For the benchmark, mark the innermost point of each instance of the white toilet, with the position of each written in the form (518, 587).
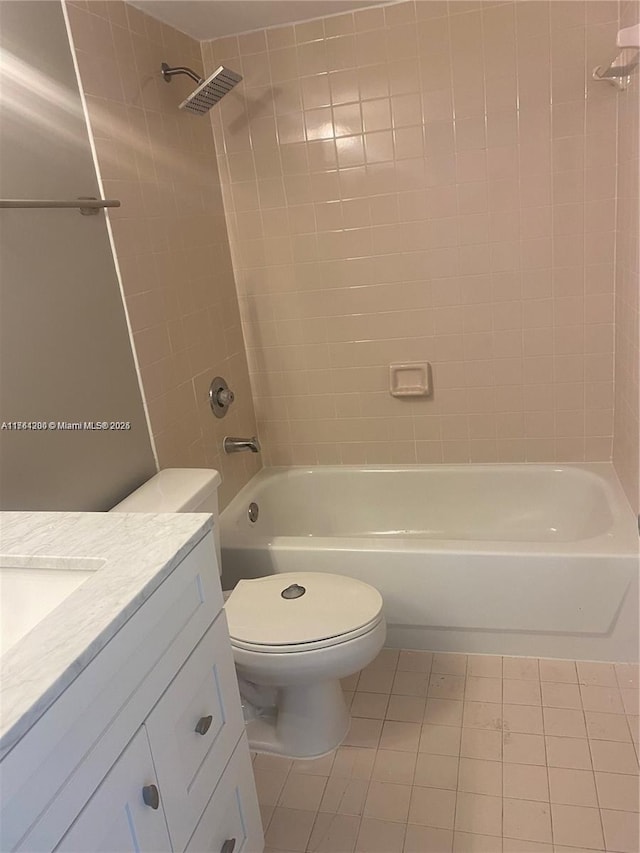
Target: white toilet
(294, 635)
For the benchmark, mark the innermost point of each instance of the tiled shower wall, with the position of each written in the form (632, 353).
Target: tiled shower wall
(627, 355)
(426, 181)
(170, 234)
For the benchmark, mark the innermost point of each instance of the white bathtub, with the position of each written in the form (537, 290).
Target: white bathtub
(535, 560)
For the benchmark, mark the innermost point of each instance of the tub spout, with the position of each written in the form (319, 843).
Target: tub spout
(236, 445)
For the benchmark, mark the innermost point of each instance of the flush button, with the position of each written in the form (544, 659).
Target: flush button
(293, 591)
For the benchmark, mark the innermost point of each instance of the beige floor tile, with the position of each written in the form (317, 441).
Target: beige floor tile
(371, 705)
(350, 683)
(334, 833)
(432, 807)
(465, 842)
(523, 749)
(478, 814)
(269, 784)
(406, 709)
(480, 743)
(519, 845)
(576, 826)
(302, 791)
(628, 675)
(440, 740)
(266, 813)
(315, 766)
(526, 719)
(483, 689)
(380, 836)
(448, 663)
(613, 756)
(621, 831)
(290, 829)
(353, 763)
(387, 801)
(410, 683)
(520, 668)
(605, 699)
(572, 787)
(364, 733)
(426, 839)
(602, 674)
(415, 661)
(557, 695)
(607, 726)
(394, 766)
(525, 782)
(444, 712)
(344, 796)
(482, 715)
(386, 659)
(568, 752)
(436, 771)
(446, 686)
(264, 761)
(376, 680)
(527, 819)
(631, 700)
(558, 670)
(404, 737)
(633, 721)
(484, 666)
(477, 776)
(521, 692)
(616, 791)
(563, 722)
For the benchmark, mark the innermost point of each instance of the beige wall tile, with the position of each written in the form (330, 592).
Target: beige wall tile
(487, 211)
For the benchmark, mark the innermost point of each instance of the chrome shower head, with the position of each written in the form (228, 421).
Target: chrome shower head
(209, 91)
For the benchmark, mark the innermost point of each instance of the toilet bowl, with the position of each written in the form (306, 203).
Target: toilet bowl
(293, 635)
(300, 633)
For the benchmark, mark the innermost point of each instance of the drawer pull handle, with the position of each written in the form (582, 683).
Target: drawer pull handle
(228, 846)
(151, 796)
(204, 723)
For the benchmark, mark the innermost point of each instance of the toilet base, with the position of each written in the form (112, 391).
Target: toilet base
(310, 720)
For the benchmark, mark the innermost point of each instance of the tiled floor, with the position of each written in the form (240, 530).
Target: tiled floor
(470, 754)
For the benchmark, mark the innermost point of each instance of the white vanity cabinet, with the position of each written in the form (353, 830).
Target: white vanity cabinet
(145, 750)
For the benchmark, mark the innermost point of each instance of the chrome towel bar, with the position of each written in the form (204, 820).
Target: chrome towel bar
(86, 206)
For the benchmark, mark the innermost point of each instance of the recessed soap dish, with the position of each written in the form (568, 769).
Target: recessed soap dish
(410, 380)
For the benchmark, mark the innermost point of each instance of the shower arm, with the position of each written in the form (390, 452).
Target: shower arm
(168, 73)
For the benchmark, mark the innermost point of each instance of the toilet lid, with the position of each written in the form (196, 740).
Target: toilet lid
(315, 606)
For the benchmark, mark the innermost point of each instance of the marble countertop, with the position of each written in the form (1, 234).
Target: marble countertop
(132, 554)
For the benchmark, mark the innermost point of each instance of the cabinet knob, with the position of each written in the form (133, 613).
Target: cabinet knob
(202, 728)
(151, 796)
(228, 846)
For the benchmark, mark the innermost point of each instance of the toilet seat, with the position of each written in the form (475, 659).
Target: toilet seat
(317, 610)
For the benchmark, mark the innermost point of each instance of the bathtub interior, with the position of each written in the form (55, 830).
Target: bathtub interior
(462, 503)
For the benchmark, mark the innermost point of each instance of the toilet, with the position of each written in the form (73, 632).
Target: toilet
(294, 635)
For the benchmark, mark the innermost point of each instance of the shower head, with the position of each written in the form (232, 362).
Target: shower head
(209, 91)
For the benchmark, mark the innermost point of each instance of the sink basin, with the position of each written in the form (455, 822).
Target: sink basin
(28, 593)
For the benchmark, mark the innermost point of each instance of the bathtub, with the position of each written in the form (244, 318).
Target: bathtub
(537, 560)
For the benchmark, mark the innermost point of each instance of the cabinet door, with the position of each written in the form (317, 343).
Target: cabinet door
(232, 815)
(194, 729)
(116, 817)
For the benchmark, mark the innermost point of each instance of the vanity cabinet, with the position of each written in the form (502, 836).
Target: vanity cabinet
(146, 749)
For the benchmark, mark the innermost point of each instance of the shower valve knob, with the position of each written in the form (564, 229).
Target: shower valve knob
(220, 397)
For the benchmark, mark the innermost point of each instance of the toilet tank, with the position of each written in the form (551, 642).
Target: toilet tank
(178, 490)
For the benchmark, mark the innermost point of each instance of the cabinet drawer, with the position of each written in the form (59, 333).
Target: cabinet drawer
(116, 817)
(50, 774)
(232, 813)
(203, 695)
